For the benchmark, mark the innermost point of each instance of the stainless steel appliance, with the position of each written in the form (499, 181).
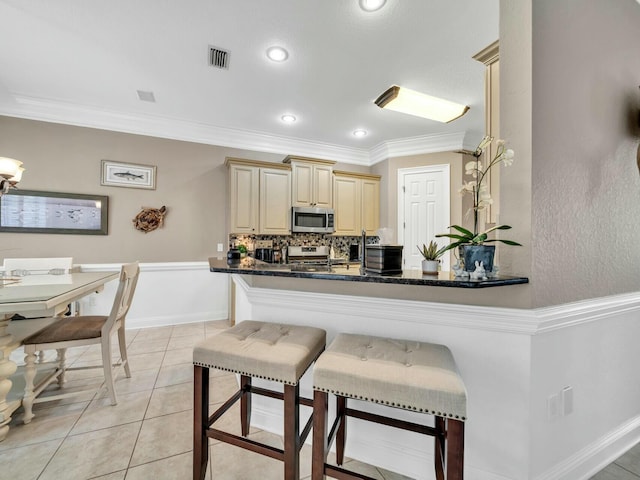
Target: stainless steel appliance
(312, 220)
(264, 254)
(308, 254)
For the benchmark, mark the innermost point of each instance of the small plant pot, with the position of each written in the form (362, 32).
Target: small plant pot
(430, 267)
(478, 253)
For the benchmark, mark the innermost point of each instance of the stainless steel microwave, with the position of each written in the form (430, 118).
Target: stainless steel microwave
(312, 220)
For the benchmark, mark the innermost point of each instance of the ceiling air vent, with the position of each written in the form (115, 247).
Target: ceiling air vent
(218, 58)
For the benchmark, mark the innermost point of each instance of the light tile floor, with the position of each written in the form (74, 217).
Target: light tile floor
(149, 433)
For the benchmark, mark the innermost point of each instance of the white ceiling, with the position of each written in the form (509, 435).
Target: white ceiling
(81, 62)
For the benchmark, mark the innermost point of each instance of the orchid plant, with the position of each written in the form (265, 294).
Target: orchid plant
(478, 188)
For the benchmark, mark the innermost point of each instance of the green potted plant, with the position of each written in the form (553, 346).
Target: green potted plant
(431, 256)
(473, 243)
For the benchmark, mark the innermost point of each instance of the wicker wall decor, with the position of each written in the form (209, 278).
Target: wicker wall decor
(149, 219)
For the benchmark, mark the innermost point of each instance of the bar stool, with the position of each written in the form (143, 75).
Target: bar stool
(276, 352)
(404, 374)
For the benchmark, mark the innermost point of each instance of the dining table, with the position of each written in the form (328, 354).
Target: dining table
(47, 294)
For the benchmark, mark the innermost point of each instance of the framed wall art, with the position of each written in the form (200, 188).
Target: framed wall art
(30, 211)
(116, 174)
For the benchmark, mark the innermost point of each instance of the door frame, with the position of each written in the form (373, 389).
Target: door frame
(402, 172)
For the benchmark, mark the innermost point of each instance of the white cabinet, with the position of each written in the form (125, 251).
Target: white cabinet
(275, 201)
(311, 182)
(490, 56)
(259, 197)
(356, 203)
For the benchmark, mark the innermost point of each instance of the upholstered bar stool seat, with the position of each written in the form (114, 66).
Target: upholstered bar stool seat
(276, 352)
(409, 375)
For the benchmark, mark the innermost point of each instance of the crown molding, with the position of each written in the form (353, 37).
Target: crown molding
(67, 113)
(402, 147)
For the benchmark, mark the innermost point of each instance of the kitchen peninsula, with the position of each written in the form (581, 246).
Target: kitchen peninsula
(491, 346)
(352, 273)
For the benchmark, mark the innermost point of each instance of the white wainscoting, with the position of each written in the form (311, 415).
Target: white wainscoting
(167, 294)
(511, 360)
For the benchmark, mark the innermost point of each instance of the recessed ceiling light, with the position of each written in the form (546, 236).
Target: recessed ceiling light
(288, 118)
(277, 54)
(359, 133)
(372, 5)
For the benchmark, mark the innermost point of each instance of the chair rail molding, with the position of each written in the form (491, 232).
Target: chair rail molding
(168, 293)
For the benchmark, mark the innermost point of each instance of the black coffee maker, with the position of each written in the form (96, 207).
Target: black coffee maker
(264, 254)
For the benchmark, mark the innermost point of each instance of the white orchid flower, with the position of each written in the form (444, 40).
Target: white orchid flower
(507, 157)
(483, 144)
(467, 187)
(471, 168)
(500, 143)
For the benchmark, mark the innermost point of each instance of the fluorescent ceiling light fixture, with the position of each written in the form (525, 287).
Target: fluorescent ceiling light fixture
(359, 133)
(288, 118)
(415, 103)
(277, 54)
(372, 5)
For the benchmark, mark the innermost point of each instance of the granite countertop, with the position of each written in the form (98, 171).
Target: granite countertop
(351, 273)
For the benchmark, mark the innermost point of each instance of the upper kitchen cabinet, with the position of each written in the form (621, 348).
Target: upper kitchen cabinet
(311, 182)
(356, 202)
(259, 197)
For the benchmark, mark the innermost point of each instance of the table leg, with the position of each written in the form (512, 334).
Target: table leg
(7, 368)
(29, 377)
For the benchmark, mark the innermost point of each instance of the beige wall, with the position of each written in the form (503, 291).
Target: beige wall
(570, 74)
(191, 182)
(389, 183)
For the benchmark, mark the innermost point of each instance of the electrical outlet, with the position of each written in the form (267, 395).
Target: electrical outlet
(567, 400)
(220, 247)
(553, 406)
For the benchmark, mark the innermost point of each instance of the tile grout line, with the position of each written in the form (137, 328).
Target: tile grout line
(135, 444)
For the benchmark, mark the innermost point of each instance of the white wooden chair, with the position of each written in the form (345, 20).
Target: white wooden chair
(78, 331)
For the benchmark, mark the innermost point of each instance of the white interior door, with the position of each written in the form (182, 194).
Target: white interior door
(423, 211)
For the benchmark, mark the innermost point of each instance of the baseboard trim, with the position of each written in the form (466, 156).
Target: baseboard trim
(593, 458)
(165, 321)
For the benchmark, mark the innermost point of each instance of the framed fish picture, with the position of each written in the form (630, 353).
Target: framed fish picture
(117, 174)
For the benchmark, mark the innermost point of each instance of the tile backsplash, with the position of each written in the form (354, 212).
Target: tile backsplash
(340, 244)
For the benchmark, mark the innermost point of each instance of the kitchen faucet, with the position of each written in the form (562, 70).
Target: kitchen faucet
(363, 250)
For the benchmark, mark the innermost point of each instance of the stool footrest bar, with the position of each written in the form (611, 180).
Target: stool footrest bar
(246, 443)
(215, 416)
(342, 474)
(392, 422)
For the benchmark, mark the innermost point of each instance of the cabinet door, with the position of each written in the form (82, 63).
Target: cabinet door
(275, 201)
(347, 199)
(302, 178)
(243, 199)
(370, 206)
(323, 186)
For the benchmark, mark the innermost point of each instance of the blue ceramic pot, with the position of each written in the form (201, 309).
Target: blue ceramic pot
(478, 253)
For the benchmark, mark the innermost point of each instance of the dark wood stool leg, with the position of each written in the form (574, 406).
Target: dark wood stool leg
(291, 432)
(455, 449)
(200, 421)
(439, 450)
(320, 445)
(245, 405)
(341, 434)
